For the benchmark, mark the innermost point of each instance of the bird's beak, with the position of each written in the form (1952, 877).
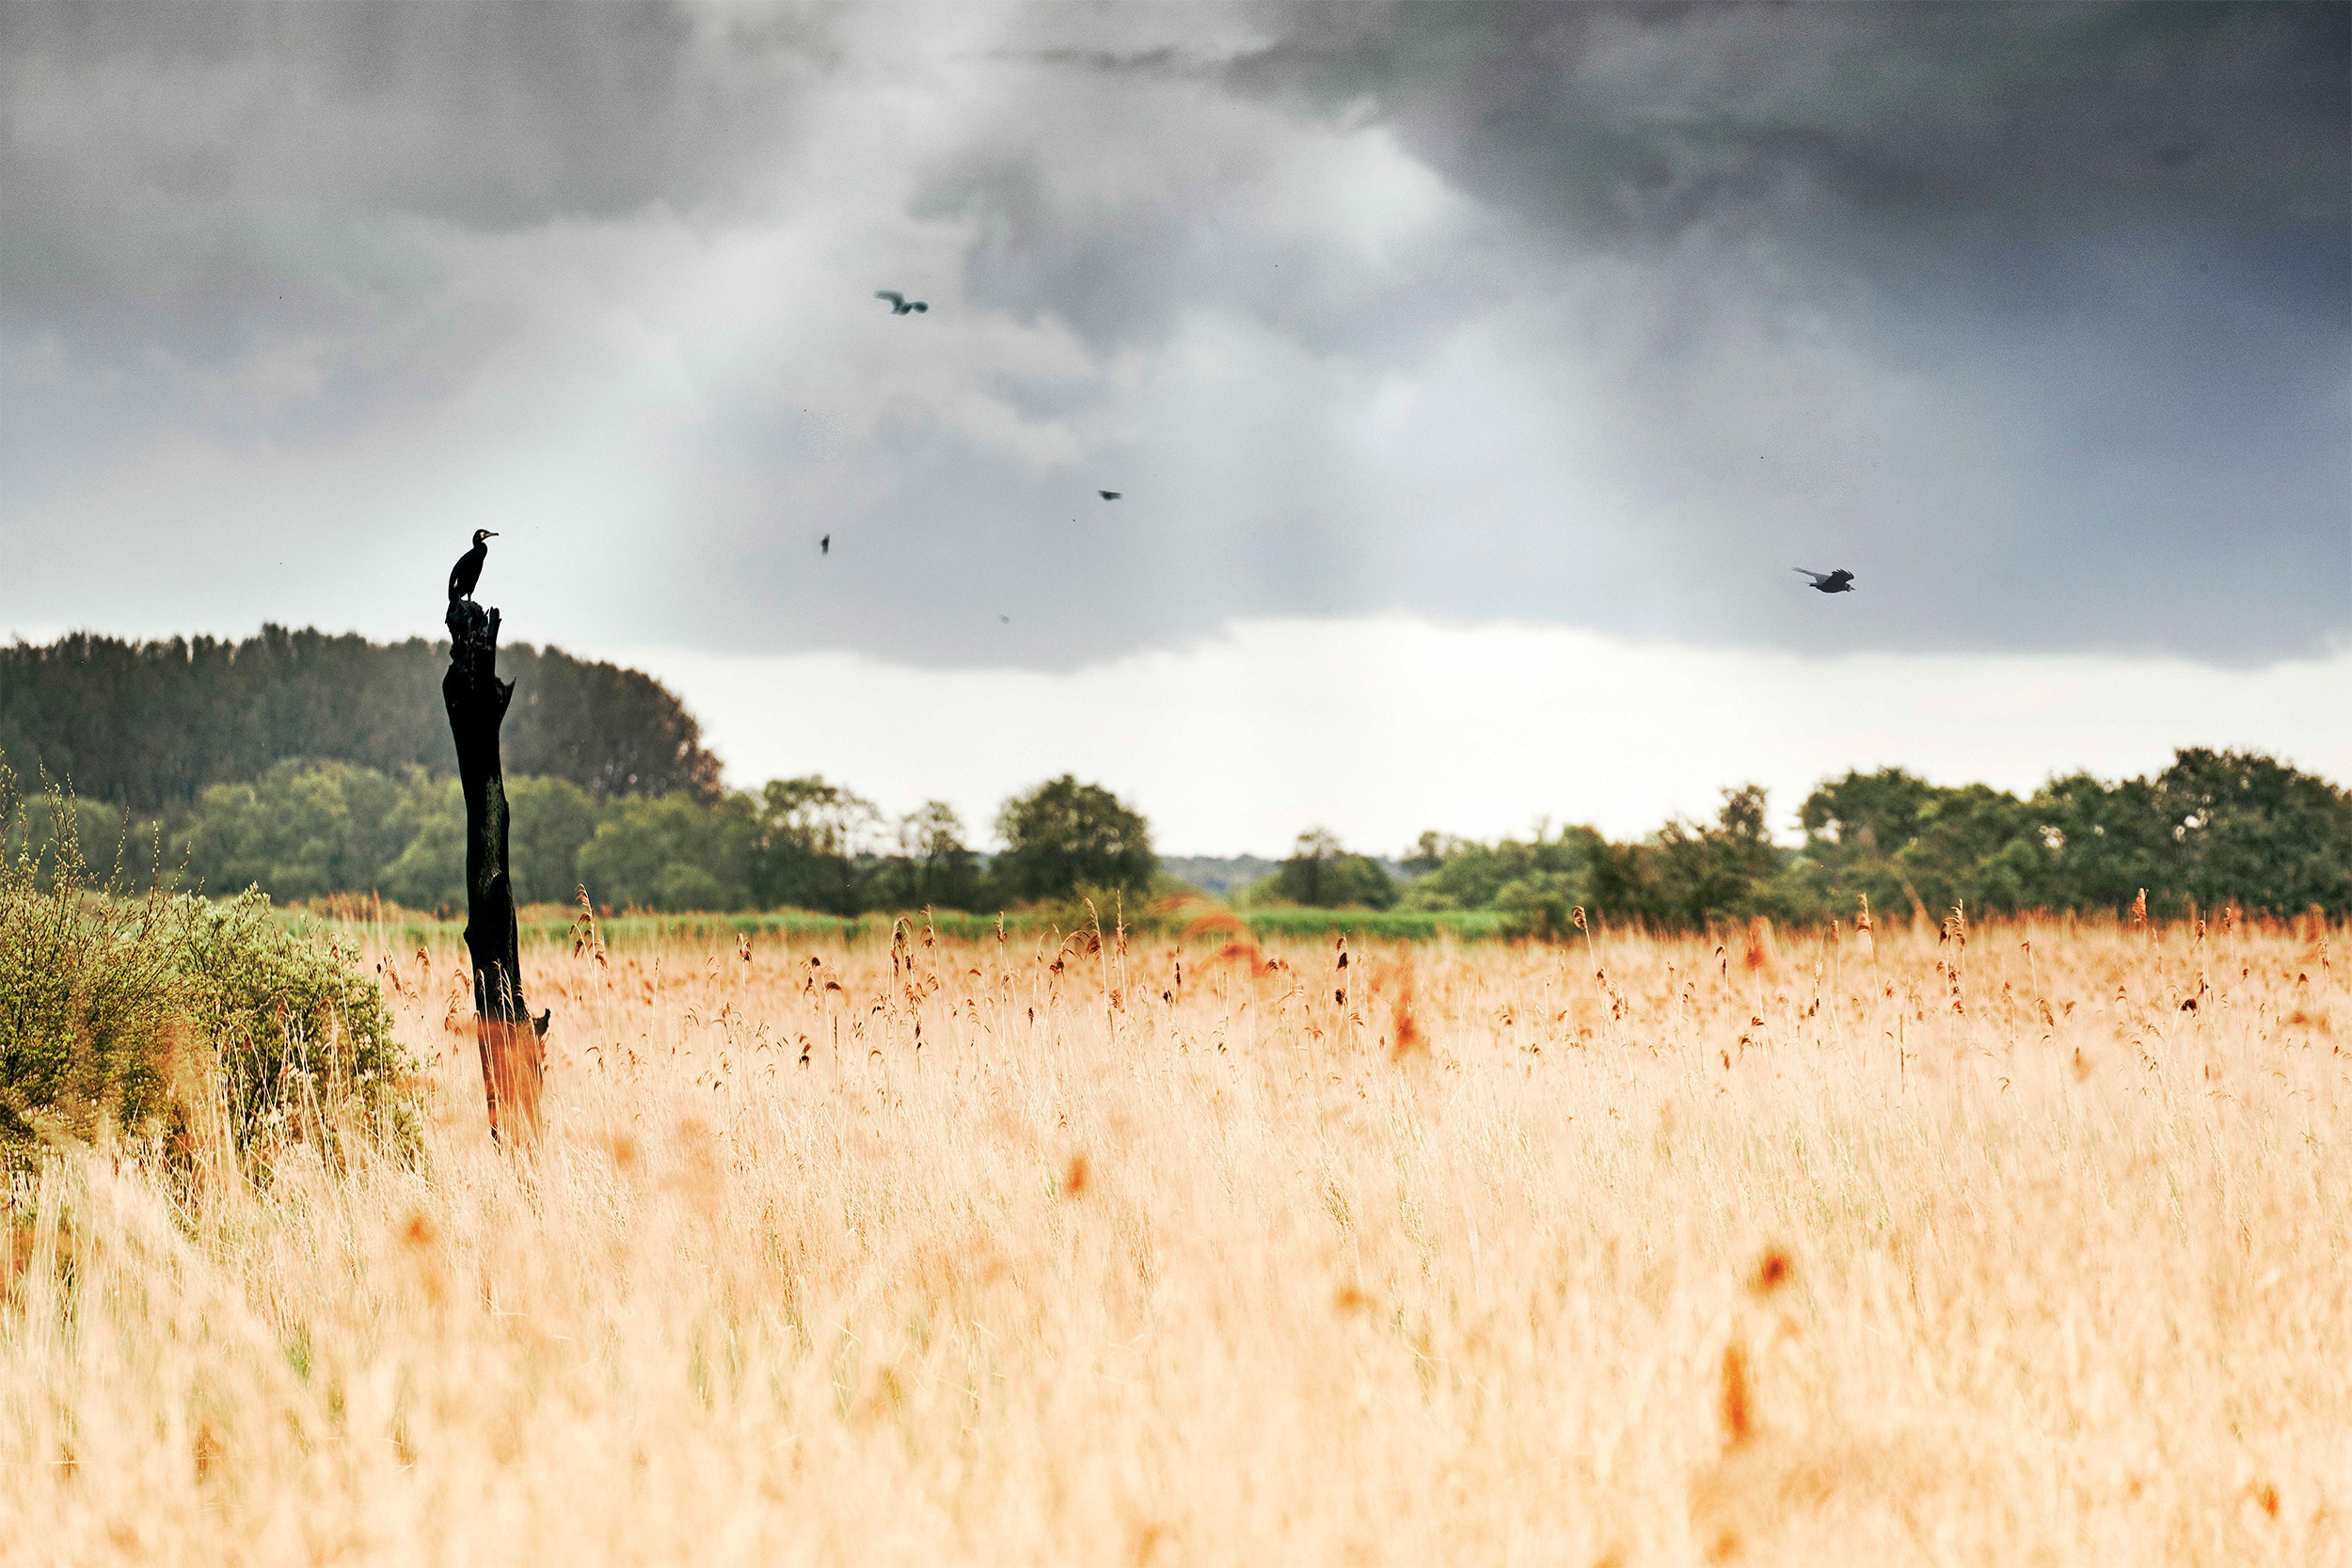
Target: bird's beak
(491, 532)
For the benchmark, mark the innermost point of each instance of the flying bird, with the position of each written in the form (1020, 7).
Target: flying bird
(468, 571)
(824, 545)
(899, 304)
(1839, 582)
(1110, 495)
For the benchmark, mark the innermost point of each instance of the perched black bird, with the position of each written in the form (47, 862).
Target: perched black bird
(899, 304)
(1839, 582)
(1110, 495)
(468, 571)
(824, 545)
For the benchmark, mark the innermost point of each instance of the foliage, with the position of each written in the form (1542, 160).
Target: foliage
(1541, 905)
(672, 853)
(87, 992)
(1064, 835)
(1321, 874)
(304, 829)
(2211, 827)
(1461, 873)
(933, 867)
(293, 1024)
(113, 1008)
(816, 841)
(1687, 875)
(184, 715)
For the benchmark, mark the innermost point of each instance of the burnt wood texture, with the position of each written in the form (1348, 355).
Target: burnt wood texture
(511, 1042)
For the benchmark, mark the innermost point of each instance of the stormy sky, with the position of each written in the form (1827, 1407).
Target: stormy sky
(1569, 321)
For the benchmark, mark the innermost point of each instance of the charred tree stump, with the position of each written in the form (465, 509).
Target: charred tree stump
(514, 1054)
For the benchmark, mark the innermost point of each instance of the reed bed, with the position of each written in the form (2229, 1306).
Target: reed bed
(2018, 1244)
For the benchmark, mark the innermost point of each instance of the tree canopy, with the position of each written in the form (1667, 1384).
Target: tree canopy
(2213, 828)
(1321, 874)
(145, 725)
(1064, 836)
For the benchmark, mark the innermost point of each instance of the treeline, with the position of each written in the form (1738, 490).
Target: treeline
(152, 725)
(2210, 829)
(308, 830)
(2213, 827)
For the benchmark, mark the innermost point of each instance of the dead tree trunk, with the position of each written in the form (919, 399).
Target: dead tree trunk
(513, 1060)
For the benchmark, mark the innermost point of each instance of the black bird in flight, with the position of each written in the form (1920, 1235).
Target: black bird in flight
(468, 571)
(899, 304)
(1110, 495)
(824, 545)
(1839, 582)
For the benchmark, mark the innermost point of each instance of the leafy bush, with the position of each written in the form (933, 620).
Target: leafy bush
(88, 1024)
(295, 1026)
(1541, 905)
(142, 1011)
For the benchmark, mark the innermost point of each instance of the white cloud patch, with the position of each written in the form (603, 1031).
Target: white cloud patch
(1380, 728)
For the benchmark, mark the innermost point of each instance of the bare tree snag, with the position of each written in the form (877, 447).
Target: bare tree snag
(513, 1053)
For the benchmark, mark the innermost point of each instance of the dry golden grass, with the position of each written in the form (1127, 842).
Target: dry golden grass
(1791, 1252)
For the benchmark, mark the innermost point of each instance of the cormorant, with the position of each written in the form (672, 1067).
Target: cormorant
(824, 545)
(1839, 582)
(1110, 495)
(468, 571)
(899, 304)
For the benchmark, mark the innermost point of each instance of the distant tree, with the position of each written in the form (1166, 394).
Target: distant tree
(1432, 850)
(2247, 827)
(429, 873)
(1472, 875)
(1540, 905)
(1686, 875)
(674, 853)
(1322, 874)
(1865, 814)
(2105, 841)
(554, 819)
(1064, 835)
(304, 830)
(933, 867)
(611, 731)
(1902, 841)
(815, 846)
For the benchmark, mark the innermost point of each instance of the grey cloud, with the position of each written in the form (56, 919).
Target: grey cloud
(210, 173)
(1632, 123)
(2038, 317)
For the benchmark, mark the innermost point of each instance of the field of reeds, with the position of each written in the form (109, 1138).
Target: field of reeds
(2020, 1245)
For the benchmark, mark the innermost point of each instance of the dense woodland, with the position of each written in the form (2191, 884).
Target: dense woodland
(312, 766)
(150, 725)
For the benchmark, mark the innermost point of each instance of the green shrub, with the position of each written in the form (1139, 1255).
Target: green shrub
(139, 1011)
(88, 1021)
(294, 1027)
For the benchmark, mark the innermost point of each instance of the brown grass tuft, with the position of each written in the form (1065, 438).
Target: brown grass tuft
(1772, 1271)
(1739, 1416)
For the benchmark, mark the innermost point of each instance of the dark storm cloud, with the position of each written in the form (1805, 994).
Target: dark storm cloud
(2113, 241)
(1634, 122)
(186, 177)
(2106, 249)
(2038, 317)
